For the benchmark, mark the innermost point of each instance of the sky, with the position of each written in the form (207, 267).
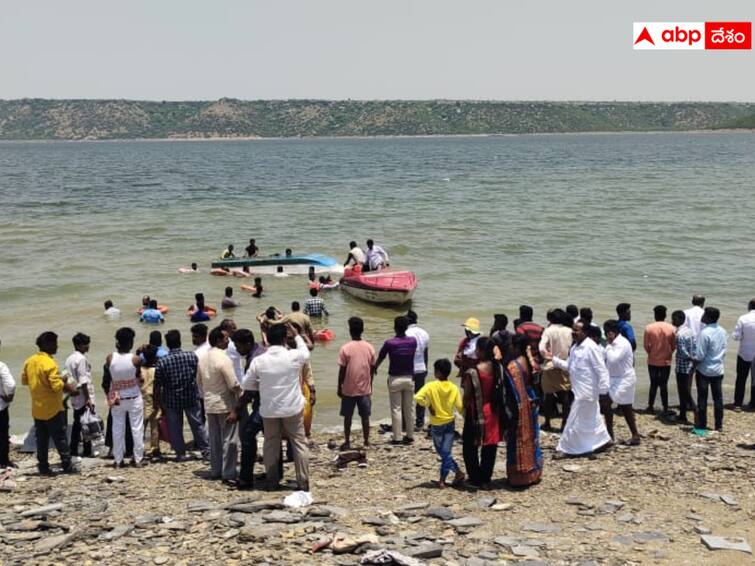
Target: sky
(363, 49)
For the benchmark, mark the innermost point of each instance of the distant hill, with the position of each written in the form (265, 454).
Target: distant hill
(39, 119)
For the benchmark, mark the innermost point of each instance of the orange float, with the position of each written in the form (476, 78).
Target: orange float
(162, 308)
(325, 335)
(211, 312)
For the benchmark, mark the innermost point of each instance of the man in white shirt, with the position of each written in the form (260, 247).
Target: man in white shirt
(744, 332)
(420, 363)
(79, 367)
(585, 431)
(377, 258)
(228, 326)
(275, 374)
(201, 348)
(356, 255)
(111, 313)
(694, 315)
(7, 391)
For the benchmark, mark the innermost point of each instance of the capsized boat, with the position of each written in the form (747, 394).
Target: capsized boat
(386, 286)
(291, 263)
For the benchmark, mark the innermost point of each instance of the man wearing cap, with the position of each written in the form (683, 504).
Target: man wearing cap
(466, 353)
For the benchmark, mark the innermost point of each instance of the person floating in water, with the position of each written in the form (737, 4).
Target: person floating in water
(228, 253)
(257, 287)
(289, 253)
(377, 258)
(192, 269)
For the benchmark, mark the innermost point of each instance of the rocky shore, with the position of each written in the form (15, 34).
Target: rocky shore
(665, 501)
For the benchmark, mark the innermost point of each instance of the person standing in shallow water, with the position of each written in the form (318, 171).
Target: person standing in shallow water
(621, 380)
(482, 426)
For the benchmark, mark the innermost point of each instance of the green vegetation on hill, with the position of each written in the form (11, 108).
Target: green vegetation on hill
(30, 119)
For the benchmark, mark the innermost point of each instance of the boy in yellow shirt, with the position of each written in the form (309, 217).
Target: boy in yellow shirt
(442, 397)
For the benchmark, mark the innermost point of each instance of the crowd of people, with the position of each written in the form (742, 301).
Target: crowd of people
(232, 387)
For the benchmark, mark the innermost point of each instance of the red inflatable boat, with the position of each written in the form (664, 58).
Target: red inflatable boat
(386, 286)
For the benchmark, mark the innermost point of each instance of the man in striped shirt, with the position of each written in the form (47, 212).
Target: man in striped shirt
(685, 346)
(315, 306)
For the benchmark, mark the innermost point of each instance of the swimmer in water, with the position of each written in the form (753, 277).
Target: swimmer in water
(279, 272)
(228, 302)
(257, 287)
(228, 253)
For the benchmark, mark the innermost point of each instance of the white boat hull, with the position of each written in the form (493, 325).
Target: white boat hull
(378, 296)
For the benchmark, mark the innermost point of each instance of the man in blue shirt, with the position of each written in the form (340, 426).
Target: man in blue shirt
(151, 315)
(624, 312)
(710, 355)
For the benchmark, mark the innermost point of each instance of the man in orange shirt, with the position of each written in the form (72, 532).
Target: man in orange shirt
(46, 387)
(660, 343)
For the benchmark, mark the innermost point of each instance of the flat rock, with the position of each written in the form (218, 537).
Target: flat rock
(24, 536)
(649, 536)
(701, 530)
(41, 511)
(51, 543)
(442, 513)
(160, 560)
(117, 532)
(525, 551)
(255, 507)
(425, 551)
(502, 506)
(486, 502)
(201, 506)
(725, 543)
(258, 533)
(412, 507)
(729, 500)
(625, 518)
(571, 468)
(621, 539)
(541, 528)
(464, 522)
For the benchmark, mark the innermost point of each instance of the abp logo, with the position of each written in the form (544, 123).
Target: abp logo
(692, 35)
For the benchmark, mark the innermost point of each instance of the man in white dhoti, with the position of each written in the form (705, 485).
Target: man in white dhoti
(585, 431)
(621, 379)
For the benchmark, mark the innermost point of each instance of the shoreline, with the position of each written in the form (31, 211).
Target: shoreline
(630, 505)
(396, 136)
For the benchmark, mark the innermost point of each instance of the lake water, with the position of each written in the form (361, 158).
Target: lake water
(486, 223)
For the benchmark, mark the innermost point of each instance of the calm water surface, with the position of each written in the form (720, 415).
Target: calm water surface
(486, 223)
